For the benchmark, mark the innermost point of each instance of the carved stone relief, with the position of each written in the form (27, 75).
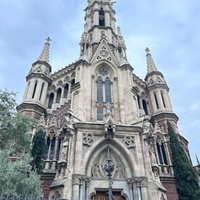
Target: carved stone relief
(129, 141)
(98, 166)
(88, 139)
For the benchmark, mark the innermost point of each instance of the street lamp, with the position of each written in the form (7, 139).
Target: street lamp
(109, 167)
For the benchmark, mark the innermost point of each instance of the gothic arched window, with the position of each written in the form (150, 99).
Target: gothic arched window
(101, 17)
(58, 96)
(161, 152)
(66, 90)
(156, 100)
(144, 104)
(41, 91)
(51, 98)
(108, 90)
(34, 90)
(163, 100)
(103, 91)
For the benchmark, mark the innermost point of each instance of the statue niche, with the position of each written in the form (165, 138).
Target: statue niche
(64, 150)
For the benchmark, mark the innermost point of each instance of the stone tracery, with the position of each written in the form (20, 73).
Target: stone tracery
(101, 160)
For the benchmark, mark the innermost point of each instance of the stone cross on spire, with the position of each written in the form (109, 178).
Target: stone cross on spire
(150, 63)
(44, 56)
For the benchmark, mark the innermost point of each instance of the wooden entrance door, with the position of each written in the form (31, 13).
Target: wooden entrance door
(103, 196)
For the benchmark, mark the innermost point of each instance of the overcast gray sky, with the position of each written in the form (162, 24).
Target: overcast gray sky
(170, 28)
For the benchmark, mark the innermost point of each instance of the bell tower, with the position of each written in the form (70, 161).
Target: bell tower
(100, 23)
(158, 93)
(37, 83)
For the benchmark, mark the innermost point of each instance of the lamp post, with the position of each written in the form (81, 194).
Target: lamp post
(109, 167)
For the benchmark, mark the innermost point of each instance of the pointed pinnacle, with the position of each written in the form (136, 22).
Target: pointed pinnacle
(119, 31)
(44, 56)
(150, 63)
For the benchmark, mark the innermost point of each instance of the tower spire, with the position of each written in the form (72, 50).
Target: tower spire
(150, 63)
(44, 56)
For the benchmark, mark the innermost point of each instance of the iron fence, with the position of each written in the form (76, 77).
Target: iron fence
(19, 197)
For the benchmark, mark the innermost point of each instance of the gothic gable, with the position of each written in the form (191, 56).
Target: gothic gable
(104, 53)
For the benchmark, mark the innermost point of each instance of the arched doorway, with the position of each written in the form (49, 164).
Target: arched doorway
(123, 170)
(102, 195)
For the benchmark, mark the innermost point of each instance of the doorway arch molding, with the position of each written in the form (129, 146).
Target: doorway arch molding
(116, 148)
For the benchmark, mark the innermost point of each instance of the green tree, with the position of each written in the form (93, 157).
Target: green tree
(186, 180)
(14, 126)
(39, 149)
(16, 177)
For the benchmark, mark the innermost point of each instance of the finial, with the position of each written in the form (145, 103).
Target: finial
(147, 50)
(44, 56)
(48, 40)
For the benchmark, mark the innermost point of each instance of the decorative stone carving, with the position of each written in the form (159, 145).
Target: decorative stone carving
(88, 139)
(42, 121)
(157, 127)
(109, 121)
(53, 122)
(69, 122)
(67, 172)
(98, 167)
(60, 83)
(129, 141)
(75, 179)
(103, 53)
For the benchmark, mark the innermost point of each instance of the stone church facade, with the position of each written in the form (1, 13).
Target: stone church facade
(98, 105)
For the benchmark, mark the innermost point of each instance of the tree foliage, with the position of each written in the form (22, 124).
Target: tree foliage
(14, 126)
(39, 149)
(16, 177)
(186, 180)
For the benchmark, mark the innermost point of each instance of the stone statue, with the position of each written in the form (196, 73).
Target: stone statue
(64, 150)
(152, 154)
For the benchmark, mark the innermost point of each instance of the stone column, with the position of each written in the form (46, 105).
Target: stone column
(130, 184)
(95, 18)
(139, 192)
(44, 93)
(75, 187)
(167, 100)
(30, 89)
(87, 182)
(107, 19)
(26, 90)
(55, 153)
(153, 102)
(135, 192)
(159, 98)
(80, 192)
(144, 191)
